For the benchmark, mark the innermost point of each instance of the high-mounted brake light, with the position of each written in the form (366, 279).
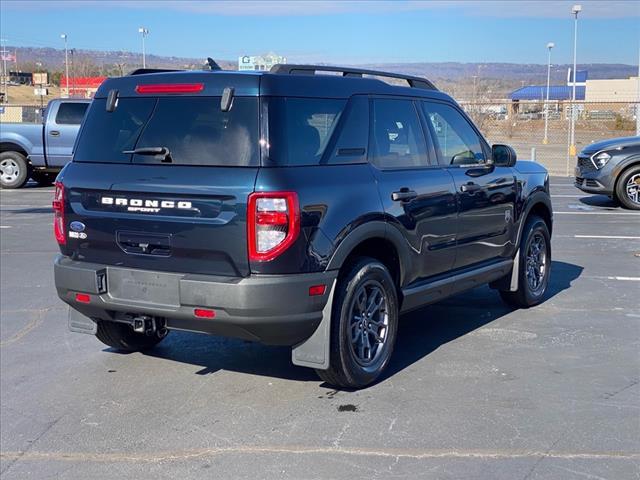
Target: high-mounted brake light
(58, 214)
(273, 224)
(152, 88)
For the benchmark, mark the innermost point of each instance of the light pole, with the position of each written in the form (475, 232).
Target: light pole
(73, 70)
(576, 9)
(545, 140)
(144, 32)
(5, 77)
(66, 61)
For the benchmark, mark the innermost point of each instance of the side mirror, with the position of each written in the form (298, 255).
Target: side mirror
(503, 155)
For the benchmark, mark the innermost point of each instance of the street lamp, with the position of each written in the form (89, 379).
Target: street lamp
(575, 10)
(550, 45)
(144, 32)
(66, 60)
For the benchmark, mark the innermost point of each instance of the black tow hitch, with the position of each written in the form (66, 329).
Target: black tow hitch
(149, 325)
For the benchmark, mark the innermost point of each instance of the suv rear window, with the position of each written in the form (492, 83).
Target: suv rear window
(300, 128)
(194, 130)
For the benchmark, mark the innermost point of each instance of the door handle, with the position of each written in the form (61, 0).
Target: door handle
(403, 195)
(470, 187)
(54, 133)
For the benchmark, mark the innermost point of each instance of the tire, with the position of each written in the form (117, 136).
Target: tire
(44, 179)
(628, 188)
(14, 170)
(122, 337)
(532, 285)
(352, 364)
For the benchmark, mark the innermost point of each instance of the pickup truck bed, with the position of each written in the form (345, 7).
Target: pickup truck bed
(40, 150)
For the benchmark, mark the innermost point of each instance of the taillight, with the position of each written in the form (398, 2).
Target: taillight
(58, 214)
(273, 224)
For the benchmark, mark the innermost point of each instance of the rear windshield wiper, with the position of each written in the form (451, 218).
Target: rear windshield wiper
(162, 152)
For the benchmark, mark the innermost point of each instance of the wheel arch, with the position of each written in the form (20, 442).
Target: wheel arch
(621, 168)
(14, 147)
(376, 240)
(538, 204)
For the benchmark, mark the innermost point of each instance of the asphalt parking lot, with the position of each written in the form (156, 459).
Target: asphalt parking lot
(475, 390)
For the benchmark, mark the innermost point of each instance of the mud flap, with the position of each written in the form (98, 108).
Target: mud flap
(314, 352)
(515, 272)
(80, 323)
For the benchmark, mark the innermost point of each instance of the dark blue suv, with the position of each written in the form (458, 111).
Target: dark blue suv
(307, 206)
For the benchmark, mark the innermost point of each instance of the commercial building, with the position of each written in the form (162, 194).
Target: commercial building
(259, 62)
(82, 87)
(613, 90)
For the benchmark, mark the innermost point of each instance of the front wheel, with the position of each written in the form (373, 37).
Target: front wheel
(628, 188)
(534, 266)
(364, 325)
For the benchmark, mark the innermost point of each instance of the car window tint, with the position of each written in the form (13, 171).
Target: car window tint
(397, 140)
(456, 141)
(300, 128)
(353, 139)
(105, 135)
(71, 113)
(197, 132)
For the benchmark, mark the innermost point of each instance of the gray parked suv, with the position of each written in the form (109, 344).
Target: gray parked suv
(612, 167)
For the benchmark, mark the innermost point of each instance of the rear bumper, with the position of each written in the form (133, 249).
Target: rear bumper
(272, 309)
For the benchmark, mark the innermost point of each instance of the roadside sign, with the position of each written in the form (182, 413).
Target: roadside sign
(41, 91)
(40, 79)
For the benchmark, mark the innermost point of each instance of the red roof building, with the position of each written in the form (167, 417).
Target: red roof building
(82, 87)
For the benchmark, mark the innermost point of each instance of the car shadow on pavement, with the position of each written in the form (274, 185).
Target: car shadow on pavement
(600, 201)
(420, 333)
(423, 331)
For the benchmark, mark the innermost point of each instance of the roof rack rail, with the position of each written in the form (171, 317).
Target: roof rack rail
(289, 69)
(142, 71)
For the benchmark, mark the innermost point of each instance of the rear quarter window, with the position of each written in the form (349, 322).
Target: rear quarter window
(300, 128)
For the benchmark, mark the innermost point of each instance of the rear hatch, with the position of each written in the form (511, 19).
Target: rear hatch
(161, 182)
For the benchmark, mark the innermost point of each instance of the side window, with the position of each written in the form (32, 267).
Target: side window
(300, 128)
(396, 136)
(353, 136)
(71, 113)
(456, 141)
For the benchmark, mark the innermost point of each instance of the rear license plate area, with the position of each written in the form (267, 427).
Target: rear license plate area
(144, 287)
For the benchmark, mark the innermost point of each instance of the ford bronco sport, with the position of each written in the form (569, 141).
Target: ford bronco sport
(290, 207)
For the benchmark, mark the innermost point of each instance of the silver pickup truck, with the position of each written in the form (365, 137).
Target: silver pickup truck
(40, 150)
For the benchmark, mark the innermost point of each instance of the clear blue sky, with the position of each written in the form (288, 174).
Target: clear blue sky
(333, 31)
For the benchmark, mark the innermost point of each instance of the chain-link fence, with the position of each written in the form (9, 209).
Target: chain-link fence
(21, 113)
(522, 125)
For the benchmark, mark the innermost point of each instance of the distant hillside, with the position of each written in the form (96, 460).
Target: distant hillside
(493, 80)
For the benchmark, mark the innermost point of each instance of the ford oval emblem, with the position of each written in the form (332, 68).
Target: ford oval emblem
(77, 226)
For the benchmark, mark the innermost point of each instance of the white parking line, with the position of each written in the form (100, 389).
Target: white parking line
(5, 226)
(569, 196)
(625, 279)
(596, 213)
(617, 237)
